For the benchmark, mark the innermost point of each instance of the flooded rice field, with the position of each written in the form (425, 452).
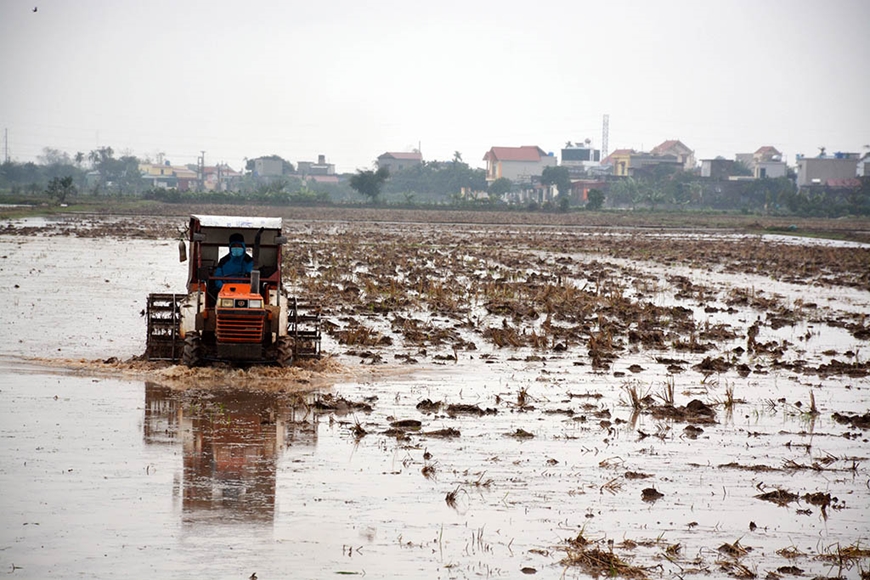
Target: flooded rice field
(493, 401)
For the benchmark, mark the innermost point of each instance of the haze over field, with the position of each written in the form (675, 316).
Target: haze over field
(352, 80)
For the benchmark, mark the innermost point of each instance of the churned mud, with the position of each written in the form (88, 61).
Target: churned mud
(495, 401)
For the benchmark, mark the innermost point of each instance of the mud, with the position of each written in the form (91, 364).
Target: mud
(496, 401)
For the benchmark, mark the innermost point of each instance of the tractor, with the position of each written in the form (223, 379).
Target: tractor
(241, 319)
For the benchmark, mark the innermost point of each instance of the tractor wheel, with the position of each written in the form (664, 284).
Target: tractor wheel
(284, 350)
(193, 350)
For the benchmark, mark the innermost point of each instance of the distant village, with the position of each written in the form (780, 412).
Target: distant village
(579, 175)
(587, 167)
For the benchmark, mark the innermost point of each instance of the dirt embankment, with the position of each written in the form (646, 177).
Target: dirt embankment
(857, 229)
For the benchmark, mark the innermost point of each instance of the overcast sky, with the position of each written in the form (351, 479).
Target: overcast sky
(351, 79)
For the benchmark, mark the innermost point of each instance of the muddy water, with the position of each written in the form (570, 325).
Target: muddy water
(106, 473)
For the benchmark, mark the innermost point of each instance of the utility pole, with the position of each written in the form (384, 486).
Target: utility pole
(202, 171)
(6, 145)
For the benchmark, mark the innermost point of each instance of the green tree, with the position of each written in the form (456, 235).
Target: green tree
(625, 192)
(499, 188)
(369, 183)
(60, 187)
(440, 179)
(654, 195)
(120, 175)
(594, 200)
(678, 188)
(740, 168)
(51, 156)
(100, 155)
(559, 177)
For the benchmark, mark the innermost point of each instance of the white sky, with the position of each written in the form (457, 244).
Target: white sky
(353, 79)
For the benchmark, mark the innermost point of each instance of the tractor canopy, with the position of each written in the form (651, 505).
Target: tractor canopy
(209, 237)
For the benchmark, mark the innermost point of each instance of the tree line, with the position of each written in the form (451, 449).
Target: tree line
(60, 177)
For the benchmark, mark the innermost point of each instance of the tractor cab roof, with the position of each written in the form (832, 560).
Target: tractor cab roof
(237, 222)
(209, 237)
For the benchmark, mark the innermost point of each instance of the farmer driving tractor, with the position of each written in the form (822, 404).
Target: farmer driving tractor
(236, 263)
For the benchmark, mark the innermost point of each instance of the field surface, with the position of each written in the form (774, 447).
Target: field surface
(540, 397)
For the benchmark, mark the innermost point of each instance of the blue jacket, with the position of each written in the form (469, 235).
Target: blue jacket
(230, 266)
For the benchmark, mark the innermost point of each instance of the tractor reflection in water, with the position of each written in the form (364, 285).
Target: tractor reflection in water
(232, 441)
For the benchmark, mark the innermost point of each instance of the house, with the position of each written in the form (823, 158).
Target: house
(819, 170)
(580, 157)
(519, 164)
(765, 162)
(310, 168)
(580, 189)
(864, 166)
(220, 177)
(619, 160)
(396, 161)
(158, 175)
(268, 167)
(322, 178)
(186, 178)
(628, 162)
(644, 163)
(766, 153)
(166, 176)
(719, 168)
(771, 169)
(678, 149)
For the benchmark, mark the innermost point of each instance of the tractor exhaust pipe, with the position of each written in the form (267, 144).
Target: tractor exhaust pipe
(255, 282)
(256, 251)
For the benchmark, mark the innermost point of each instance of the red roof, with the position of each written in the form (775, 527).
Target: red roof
(768, 150)
(225, 170)
(412, 156)
(323, 178)
(668, 146)
(848, 182)
(524, 153)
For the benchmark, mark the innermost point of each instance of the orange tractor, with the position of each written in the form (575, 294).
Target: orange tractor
(243, 318)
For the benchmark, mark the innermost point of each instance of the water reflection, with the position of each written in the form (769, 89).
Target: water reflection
(232, 441)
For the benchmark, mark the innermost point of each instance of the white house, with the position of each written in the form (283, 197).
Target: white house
(519, 164)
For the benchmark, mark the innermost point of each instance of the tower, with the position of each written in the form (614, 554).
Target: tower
(605, 133)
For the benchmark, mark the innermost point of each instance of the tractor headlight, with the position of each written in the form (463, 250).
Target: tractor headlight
(227, 302)
(255, 303)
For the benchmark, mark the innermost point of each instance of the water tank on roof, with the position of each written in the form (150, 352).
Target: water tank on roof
(550, 154)
(839, 155)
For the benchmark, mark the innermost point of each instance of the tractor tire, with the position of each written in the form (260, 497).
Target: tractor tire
(284, 351)
(193, 350)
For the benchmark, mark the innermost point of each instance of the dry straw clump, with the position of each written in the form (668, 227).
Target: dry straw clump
(589, 557)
